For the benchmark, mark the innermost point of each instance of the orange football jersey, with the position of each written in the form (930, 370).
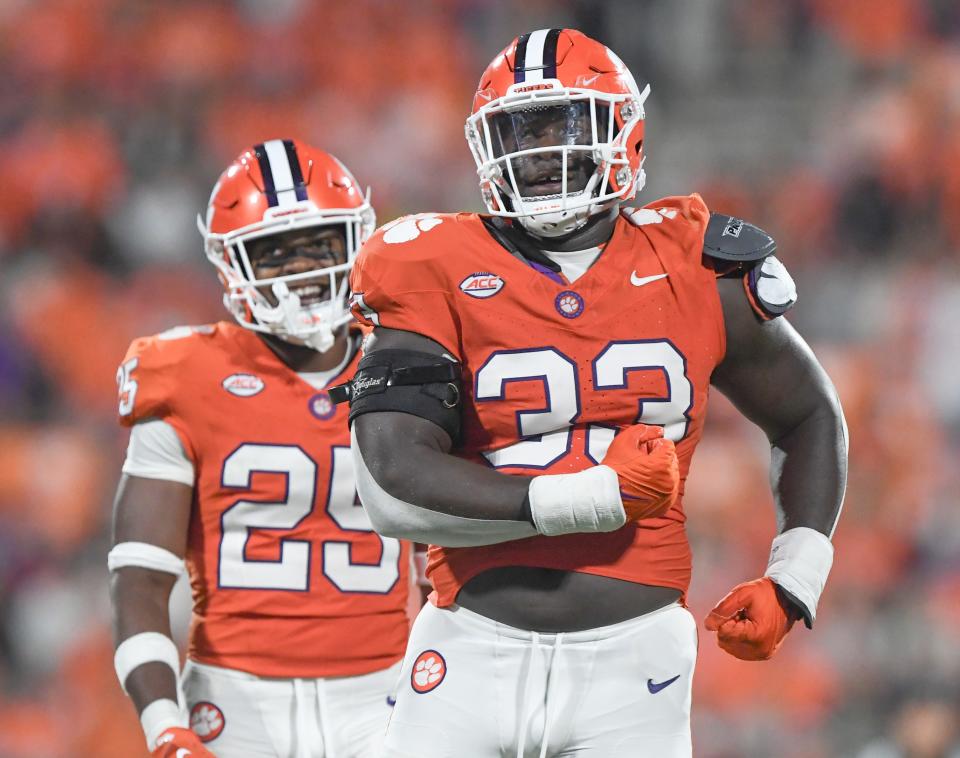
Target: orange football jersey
(288, 578)
(551, 369)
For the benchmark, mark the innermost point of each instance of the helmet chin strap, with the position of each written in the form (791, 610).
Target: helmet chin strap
(288, 305)
(321, 340)
(558, 224)
(564, 222)
(586, 235)
(310, 326)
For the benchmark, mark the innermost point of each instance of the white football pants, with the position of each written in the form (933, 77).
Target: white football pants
(338, 717)
(474, 688)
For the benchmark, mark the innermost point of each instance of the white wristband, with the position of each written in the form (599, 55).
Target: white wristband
(800, 560)
(159, 716)
(144, 555)
(145, 647)
(588, 501)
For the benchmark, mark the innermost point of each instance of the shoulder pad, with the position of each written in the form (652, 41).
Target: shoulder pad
(732, 239)
(770, 288)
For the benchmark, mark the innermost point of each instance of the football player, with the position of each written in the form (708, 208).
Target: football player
(529, 402)
(239, 465)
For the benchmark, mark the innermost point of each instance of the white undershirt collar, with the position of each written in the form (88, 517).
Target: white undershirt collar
(319, 379)
(573, 263)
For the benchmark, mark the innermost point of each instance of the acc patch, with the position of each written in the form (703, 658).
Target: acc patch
(481, 284)
(770, 288)
(206, 721)
(428, 672)
(243, 385)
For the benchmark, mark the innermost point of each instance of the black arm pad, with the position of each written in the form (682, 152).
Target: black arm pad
(405, 381)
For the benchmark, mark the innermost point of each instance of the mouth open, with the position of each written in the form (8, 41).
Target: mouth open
(544, 183)
(547, 184)
(311, 294)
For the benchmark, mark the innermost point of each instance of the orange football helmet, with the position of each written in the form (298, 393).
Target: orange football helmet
(557, 131)
(275, 187)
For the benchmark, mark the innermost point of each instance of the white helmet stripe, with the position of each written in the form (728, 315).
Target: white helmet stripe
(533, 63)
(281, 173)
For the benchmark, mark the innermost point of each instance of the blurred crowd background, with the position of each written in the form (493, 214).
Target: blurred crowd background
(833, 125)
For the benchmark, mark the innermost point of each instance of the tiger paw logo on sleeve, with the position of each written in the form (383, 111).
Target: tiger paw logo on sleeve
(409, 228)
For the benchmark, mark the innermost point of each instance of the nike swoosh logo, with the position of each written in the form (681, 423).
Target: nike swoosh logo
(655, 687)
(183, 753)
(639, 281)
(591, 80)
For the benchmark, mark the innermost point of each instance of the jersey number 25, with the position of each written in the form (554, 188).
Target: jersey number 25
(292, 570)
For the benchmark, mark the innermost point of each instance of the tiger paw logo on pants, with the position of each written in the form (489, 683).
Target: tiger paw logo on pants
(428, 671)
(206, 721)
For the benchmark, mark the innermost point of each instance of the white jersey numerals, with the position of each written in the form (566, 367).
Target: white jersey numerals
(612, 367)
(349, 515)
(546, 433)
(127, 387)
(291, 571)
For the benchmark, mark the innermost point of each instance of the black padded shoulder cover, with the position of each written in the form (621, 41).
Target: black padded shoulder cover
(732, 239)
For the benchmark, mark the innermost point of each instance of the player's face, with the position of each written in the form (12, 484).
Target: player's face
(296, 252)
(540, 174)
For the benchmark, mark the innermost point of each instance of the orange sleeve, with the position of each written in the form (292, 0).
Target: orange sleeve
(690, 208)
(404, 284)
(685, 219)
(147, 382)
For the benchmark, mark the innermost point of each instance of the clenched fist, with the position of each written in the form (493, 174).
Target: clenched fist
(752, 620)
(178, 742)
(647, 469)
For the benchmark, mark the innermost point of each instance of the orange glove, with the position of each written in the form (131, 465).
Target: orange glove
(647, 468)
(752, 620)
(177, 742)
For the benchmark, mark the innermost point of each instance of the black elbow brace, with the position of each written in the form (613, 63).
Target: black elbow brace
(405, 381)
